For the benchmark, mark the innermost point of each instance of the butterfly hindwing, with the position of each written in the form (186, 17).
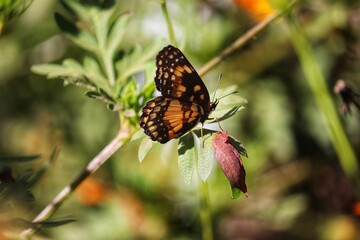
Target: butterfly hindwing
(177, 78)
(167, 118)
(184, 102)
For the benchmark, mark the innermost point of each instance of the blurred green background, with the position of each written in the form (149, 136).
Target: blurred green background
(297, 189)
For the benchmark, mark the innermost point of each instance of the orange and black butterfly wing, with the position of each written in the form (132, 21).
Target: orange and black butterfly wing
(177, 78)
(166, 118)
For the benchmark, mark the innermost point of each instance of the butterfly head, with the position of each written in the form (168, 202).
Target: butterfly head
(213, 105)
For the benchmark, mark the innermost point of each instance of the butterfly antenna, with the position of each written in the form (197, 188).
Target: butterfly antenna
(228, 94)
(217, 85)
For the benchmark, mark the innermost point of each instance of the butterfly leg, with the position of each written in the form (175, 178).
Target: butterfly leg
(217, 119)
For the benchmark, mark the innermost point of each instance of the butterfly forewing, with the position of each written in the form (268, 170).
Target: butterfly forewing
(184, 102)
(177, 78)
(166, 118)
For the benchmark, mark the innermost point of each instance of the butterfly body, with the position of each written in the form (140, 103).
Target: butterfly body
(184, 103)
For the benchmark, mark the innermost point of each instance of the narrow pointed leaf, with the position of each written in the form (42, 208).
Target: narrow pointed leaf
(56, 222)
(101, 21)
(117, 32)
(77, 8)
(222, 115)
(228, 106)
(65, 25)
(93, 94)
(86, 41)
(206, 157)
(129, 93)
(186, 157)
(38, 174)
(18, 159)
(137, 135)
(238, 145)
(94, 74)
(235, 192)
(52, 70)
(144, 148)
(137, 60)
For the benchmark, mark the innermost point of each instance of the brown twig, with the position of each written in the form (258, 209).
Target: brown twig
(96, 163)
(250, 34)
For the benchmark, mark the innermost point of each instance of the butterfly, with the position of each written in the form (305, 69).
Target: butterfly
(184, 100)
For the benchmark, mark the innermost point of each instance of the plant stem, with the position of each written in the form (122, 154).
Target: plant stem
(250, 34)
(168, 23)
(120, 139)
(205, 212)
(323, 99)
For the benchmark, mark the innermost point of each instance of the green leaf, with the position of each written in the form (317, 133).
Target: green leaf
(147, 92)
(65, 25)
(10, 9)
(53, 70)
(117, 32)
(230, 101)
(137, 60)
(150, 70)
(206, 156)
(74, 65)
(25, 176)
(221, 92)
(101, 22)
(18, 159)
(223, 115)
(71, 72)
(144, 147)
(186, 157)
(238, 145)
(85, 40)
(93, 94)
(235, 192)
(226, 108)
(105, 95)
(129, 93)
(137, 135)
(56, 222)
(80, 36)
(75, 8)
(38, 174)
(148, 88)
(94, 74)
(64, 4)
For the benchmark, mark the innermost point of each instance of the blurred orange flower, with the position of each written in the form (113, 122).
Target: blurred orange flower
(257, 9)
(91, 192)
(356, 208)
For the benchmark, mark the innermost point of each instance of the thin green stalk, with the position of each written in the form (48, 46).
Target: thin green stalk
(323, 99)
(205, 212)
(168, 23)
